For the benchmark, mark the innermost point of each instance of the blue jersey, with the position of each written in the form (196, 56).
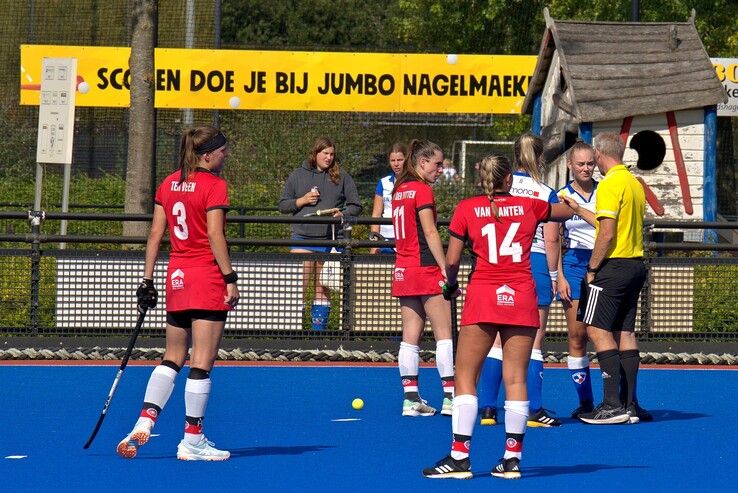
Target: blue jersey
(525, 186)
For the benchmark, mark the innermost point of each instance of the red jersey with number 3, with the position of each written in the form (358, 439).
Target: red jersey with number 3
(501, 289)
(407, 201)
(186, 205)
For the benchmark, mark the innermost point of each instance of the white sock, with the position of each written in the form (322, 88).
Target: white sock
(516, 419)
(160, 386)
(577, 362)
(197, 393)
(408, 359)
(463, 419)
(495, 352)
(445, 358)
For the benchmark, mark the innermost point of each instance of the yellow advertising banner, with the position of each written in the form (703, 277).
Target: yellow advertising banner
(290, 80)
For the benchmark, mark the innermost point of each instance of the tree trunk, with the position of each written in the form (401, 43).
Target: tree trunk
(142, 117)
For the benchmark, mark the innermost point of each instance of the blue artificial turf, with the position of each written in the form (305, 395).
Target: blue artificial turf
(278, 424)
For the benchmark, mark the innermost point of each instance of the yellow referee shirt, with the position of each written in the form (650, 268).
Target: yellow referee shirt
(621, 197)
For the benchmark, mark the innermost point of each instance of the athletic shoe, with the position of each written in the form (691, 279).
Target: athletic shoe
(128, 447)
(449, 468)
(448, 407)
(488, 416)
(584, 407)
(605, 414)
(632, 414)
(643, 415)
(417, 408)
(637, 414)
(204, 450)
(541, 419)
(507, 469)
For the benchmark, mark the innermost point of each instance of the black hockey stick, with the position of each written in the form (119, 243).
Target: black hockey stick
(123, 364)
(454, 326)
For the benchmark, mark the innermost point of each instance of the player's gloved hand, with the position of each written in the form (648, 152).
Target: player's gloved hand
(376, 237)
(147, 294)
(450, 291)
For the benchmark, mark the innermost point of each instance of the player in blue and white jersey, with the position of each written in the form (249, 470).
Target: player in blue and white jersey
(383, 197)
(579, 236)
(544, 260)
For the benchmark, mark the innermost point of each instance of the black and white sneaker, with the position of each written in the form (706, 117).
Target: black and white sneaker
(606, 414)
(636, 414)
(541, 419)
(584, 407)
(507, 469)
(449, 468)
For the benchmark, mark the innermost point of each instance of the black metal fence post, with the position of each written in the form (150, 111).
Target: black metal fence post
(35, 218)
(347, 280)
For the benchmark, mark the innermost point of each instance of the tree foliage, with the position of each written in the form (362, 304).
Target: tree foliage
(308, 24)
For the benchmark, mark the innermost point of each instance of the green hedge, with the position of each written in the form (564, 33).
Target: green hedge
(15, 292)
(715, 298)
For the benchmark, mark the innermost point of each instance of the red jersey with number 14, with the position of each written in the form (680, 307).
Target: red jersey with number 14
(501, 245)
(186, 205)
(407, 201)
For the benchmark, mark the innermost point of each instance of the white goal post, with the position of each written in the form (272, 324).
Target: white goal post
(471, 151)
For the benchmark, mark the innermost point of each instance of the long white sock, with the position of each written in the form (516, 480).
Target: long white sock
(158, 391)
(445, 365)
(197, 393)
(516, 418)
(463, 418)
(408, 359)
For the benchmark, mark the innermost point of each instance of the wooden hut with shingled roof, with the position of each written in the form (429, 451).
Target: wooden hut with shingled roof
(649, 78)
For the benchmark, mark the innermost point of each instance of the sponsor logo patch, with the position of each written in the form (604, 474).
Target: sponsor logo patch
(505, 296)
(177, 279)
(399, 273)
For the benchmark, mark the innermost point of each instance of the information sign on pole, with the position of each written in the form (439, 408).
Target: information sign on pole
(56, 110)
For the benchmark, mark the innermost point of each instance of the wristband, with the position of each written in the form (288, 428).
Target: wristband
(592, 270)
(554, 275)
(230, 278)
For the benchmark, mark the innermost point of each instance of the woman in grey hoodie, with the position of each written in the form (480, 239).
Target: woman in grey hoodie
(318, 184)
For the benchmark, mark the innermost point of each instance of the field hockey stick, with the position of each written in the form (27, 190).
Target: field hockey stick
(324, 212)
(454, 327)
(123, 364)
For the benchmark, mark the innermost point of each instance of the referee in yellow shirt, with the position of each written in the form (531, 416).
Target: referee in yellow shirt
(615, 276)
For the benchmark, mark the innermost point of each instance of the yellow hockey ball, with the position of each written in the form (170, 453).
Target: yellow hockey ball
(357, 403)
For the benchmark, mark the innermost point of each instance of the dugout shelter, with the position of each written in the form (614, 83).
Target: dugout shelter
(652, 82)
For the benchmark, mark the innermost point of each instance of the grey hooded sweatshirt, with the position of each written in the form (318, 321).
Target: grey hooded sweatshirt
(300, 181)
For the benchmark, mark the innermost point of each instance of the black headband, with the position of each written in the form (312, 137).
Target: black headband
(215, 142)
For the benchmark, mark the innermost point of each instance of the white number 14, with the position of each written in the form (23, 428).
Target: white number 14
(507, 248)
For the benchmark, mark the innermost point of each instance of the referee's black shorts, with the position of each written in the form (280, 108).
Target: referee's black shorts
(611, 300)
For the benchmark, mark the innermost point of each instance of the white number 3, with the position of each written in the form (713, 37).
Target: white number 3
(180, 229)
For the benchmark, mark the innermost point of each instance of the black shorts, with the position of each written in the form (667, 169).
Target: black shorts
(611, 300)
(184, 318)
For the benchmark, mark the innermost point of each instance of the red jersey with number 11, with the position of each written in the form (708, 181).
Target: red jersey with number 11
(407, 201)
(186, 205)
(501, 245)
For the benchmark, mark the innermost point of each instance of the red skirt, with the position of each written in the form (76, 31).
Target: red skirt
(417, 281)
(511, 303)
(195, 288)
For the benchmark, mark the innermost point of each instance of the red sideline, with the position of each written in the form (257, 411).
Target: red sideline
(288, 364)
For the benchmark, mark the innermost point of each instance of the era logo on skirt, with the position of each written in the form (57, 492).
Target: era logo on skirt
(399, 273)
(505, 296)
(177, 279)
